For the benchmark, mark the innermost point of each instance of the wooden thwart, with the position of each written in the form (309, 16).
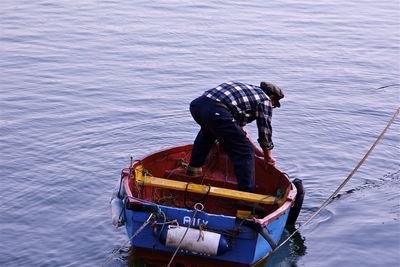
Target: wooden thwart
(146, 180)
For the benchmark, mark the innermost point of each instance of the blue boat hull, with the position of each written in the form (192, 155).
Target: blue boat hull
(248, 246)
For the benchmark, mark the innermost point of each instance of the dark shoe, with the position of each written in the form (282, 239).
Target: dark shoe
(194, 171)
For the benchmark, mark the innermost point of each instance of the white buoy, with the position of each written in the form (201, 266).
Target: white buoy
(195, 240)
(117, 215)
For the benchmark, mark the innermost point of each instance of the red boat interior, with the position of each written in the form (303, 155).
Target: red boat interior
(218, 172)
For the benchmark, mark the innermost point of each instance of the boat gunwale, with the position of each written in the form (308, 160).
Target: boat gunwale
(287, 204)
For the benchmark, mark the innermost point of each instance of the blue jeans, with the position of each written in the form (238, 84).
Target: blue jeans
(217, 124)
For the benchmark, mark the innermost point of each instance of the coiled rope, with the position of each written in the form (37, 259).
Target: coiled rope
(396, 113)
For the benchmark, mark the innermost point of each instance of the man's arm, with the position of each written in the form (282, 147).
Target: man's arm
(268, 158)
(267, 154)
(265, 131)
(258, 151)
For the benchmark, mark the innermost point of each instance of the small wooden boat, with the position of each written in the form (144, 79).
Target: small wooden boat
(202, 220)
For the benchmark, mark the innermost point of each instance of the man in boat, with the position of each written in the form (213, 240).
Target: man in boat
(222, 112)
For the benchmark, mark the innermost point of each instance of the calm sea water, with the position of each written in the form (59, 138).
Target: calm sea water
(86, 84)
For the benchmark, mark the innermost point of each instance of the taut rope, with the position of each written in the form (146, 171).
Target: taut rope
(396, 113)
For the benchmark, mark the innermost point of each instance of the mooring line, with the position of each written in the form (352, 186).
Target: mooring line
(129, 240)
(196, 209)
(390, 85)
(396, 113)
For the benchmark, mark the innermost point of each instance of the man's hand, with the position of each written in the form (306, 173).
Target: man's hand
(268, 158)
(270, 161)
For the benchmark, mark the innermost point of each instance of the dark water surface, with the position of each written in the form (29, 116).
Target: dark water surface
(86, 84)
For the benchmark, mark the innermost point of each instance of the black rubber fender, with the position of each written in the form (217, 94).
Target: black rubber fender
(298, 203)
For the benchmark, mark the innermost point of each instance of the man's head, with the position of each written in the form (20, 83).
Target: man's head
(273, 91)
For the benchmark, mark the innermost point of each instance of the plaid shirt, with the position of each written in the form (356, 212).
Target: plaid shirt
(247, 103)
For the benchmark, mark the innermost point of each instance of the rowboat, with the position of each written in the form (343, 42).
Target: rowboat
(173, 218)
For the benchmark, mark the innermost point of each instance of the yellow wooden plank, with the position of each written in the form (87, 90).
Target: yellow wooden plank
(202, 189)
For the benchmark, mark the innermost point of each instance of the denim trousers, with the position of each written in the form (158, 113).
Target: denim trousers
(217, 123)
